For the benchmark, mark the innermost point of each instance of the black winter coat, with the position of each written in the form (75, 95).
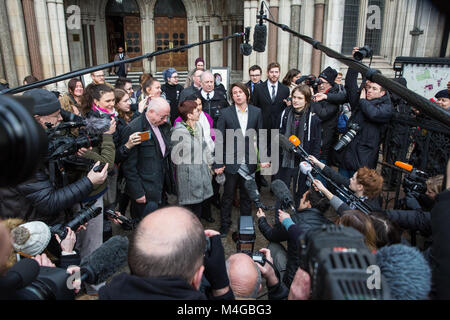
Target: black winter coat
(371, 115)
(440, 224)
(39, 199)
(147, 171)
(328, 112)
(173, 97)
(214, 106)
(414, 220)
(307, 219)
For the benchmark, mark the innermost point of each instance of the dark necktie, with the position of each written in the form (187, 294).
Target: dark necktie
(252, 86)
(209, 104)
(273, 93)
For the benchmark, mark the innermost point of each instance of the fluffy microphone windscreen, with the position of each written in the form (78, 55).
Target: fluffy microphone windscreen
(281, 191)
(406, 271)
(26, 270)
(260, 38)
(246, 49)
(106, 260)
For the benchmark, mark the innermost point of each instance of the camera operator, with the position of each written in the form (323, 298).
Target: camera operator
(40, 197)
(167, 260)
(366, 183)
(309, 215)
(245, 277)
(328, 99)
(371, 110)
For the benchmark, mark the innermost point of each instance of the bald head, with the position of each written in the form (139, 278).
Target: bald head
(167, 242)
(158, 111)
(244, 275)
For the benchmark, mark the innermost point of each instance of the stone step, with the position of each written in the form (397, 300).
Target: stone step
(134, 77)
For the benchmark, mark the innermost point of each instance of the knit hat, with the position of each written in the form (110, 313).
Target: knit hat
(45, 102)
(168, 73)
(406, 272)
(442, 94)
(31, 238)
(329, 74)
(198, 60)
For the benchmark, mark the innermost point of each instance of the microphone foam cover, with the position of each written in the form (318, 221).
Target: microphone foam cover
(294, 140)
(260, 38)
(107, 259)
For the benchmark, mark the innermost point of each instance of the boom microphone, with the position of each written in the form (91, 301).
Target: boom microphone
(105, 261)
(260, 34)
(246, 48)
(281, 191)
(253, 193)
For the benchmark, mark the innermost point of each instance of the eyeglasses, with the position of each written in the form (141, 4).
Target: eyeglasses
(255, 75)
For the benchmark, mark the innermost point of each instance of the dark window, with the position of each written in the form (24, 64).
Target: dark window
(350, 32)
(166, 42)
(175, 36)
(137, 49)
(374, 26)
(136, 42)
(175, 42)
(129, 42)
(130, 49)
(159, 42)
(136, 35)
(166, 36)
(122, 7)
(182, 43)
(129, 35)
(159, 35)
(173, 8)
(181, 35)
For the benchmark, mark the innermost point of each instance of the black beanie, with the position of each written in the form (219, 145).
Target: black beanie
(442, 94)
(329, 74)
(45, 102)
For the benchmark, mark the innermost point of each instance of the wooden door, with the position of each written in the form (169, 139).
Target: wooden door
(171, 33)
(133, 40)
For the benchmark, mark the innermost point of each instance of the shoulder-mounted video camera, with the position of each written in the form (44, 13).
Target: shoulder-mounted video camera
(311, 81)
(337, 261)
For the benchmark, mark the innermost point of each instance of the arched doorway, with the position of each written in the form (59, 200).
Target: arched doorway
(123, 25)
(170, 32)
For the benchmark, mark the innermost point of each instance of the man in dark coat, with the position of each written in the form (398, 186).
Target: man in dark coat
(270, 97)
(327, 109)
(40, 198)
(255, 73)
(213, 101)
(240, 165)
(167, 260)
(371, 110)
(309, 216)
(123, 69)
(148, 170)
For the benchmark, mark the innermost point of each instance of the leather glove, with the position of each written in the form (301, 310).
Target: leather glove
(215, 269)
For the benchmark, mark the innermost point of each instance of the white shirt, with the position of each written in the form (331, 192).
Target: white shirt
(269, 87)
(243, 118)
(204, 94)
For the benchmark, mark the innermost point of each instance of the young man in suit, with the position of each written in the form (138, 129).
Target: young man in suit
(255, 73)
(270, 97)
(235, 124)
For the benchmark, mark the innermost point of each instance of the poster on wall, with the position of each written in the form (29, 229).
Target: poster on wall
(224, 73)
(426, 79)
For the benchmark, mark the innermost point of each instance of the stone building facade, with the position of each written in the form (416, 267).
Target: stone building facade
(51, 37)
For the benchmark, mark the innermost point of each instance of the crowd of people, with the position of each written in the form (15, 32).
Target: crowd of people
(161, 140)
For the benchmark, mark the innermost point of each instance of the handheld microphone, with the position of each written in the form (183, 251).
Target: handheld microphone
(403, 165)
(260, 34)
(246, 48)
(105, 261)
(306, 169)
(253, 193)
(281, 191)
(293, 144)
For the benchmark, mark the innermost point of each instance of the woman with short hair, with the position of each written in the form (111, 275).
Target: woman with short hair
(192, 158)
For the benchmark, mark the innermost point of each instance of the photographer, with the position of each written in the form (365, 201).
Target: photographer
(371, 110)
(309, 215)
(366, 183)
(40, 197)
(328, 98)
(167, 260)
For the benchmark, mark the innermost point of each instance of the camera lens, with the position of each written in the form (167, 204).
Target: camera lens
(23, 142)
